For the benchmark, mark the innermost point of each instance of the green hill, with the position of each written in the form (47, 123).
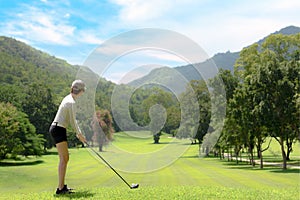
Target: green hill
(22, 65)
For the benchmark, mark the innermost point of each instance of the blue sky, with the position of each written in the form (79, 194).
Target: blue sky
(73, 29)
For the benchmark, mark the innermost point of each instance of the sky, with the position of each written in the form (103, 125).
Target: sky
(73, 29)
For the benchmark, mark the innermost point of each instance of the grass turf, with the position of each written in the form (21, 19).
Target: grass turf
(188, 177)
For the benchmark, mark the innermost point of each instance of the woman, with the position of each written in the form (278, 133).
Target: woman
(65, 116)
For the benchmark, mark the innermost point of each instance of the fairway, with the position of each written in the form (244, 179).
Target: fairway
(187, 177)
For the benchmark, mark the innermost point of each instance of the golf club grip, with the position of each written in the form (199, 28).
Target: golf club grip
(108, 165)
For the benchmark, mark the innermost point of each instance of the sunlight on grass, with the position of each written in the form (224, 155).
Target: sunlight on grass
(187, 177)
(125, 142)
(166, 192)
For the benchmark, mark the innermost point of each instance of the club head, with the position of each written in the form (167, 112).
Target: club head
(134, 185)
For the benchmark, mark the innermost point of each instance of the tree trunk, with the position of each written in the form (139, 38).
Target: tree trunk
(283, 154)
(156, 138)
(289, 145)
(222, 154)
(261, 159)
(228, 154)
(259, 152)
(251, 157)
(288, 155)
(237, 151)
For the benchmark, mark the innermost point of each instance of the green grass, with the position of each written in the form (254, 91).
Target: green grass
(166, 192)
(188, 177)
(140, 144)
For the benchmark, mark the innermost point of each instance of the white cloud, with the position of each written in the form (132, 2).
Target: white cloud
(88, 37)
(36, 25)
(67, 15)
(144, 46)
(291, 5)
(232, 34)
(156, 12)
(140, 10)
(165, 56)
(217, 26)
(126, 76)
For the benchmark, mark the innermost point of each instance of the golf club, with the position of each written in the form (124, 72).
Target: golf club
(132, 186)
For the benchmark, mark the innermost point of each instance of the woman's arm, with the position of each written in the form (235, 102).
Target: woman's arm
(74, 124)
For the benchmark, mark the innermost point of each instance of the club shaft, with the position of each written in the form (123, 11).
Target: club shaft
(109, 166)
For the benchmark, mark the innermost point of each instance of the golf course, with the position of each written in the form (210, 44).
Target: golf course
(187, 177)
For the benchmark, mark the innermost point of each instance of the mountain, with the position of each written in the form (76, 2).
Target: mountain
(221, 60)
(22, 65)
(290, 30)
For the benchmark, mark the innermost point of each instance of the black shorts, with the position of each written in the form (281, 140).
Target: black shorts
(58, 134)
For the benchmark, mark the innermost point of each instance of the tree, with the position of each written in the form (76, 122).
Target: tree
(204, 107)
(102, 128)
(39, 106)
(173, 120)
(272, 71)
(155, 112)
(103, 93)
(17, 134)
(155, 109)
(243, 108)
(224, 86)
(12, 94)
(189, 114)
(158, 117)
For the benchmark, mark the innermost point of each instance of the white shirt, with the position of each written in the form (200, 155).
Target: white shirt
(66, 114)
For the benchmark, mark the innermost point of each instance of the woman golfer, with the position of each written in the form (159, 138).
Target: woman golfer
(65, 116)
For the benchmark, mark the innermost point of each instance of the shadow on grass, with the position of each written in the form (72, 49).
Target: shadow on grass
(247, 166)
(12, 164)
(77, 195)
(189, 144)
(235, 164)
(163, 143)
(287, 171)
(195, 156)
(50, 153)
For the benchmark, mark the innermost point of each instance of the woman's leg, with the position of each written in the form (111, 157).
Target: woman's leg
(63, 154)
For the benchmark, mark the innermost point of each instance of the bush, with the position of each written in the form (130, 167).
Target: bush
(17, 134)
